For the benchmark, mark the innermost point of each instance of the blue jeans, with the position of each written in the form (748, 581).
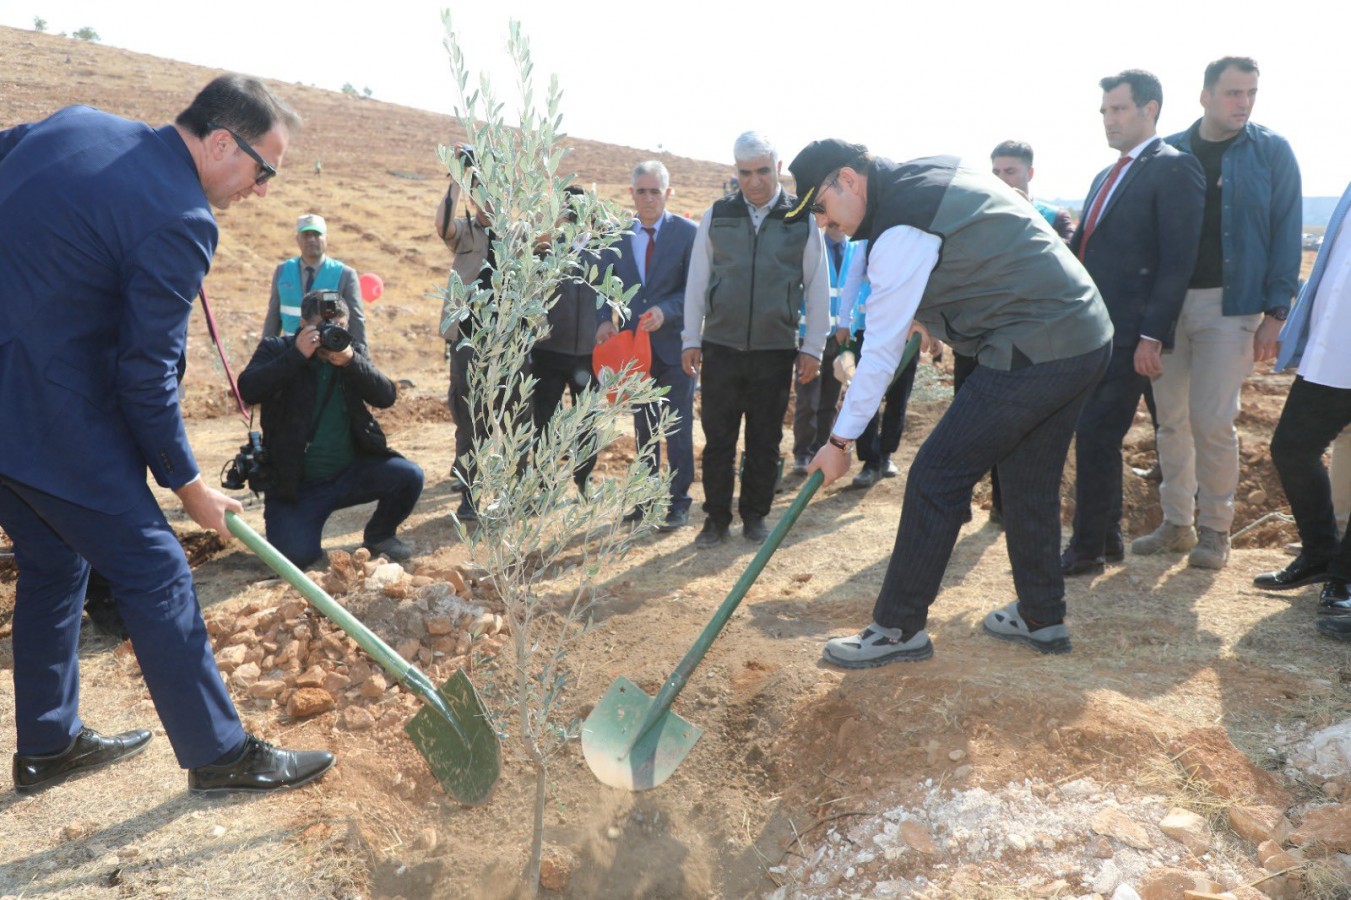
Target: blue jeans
(296, 528)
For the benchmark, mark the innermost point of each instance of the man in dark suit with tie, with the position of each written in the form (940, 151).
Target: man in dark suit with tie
(106, 233)
(655, 255)
(1138, 241)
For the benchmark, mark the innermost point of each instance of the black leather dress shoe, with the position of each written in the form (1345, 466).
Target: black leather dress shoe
(260, 767)
(1335, 598)
(1338, 627)
(633, 516)
(711, 536)
(1072, 564)
(1297, 574)
(89, 751)
(754, 529)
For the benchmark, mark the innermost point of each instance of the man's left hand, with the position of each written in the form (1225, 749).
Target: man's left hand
(651, 320)
(1149, 357)
(1266, 341)
(339, 358)
(831, 461)
(808, 367)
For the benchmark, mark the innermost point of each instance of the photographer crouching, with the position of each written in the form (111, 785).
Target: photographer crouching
(324, 450)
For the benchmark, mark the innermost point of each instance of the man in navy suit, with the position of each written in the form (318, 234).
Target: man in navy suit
(1138, 240)
(655, 255)
(106, 234)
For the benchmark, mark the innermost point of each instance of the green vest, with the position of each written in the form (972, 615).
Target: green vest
(291, 287)
(1006, 289)
(755, 284)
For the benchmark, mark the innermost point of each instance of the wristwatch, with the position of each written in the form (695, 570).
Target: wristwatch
(840, 443)
(1279, 313)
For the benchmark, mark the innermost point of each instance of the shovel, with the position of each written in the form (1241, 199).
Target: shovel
(452, 732)
(634, 741)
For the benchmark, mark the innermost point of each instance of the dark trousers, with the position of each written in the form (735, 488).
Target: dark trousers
(466, 435)
(962, 367)
(296, 528)
(751, 385)
(557, 373)
(140, 556)
(1103, 424)
(1312, 418)
(814, 405)
(882, 435)
(680, 442)
(1023, 420)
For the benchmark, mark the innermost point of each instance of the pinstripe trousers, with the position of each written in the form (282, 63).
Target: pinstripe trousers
(1022, 420)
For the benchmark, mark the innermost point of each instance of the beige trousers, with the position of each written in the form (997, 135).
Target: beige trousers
(1198, 399)
(1340, 474)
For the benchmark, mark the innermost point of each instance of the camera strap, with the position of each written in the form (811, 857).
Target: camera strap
(229, 376)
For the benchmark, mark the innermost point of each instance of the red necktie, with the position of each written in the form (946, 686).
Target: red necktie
(651, 245)
(1091, 220)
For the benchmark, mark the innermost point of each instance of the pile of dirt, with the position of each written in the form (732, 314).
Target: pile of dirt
(284, 654)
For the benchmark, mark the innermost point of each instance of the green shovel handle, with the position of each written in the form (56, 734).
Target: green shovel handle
(676, 682)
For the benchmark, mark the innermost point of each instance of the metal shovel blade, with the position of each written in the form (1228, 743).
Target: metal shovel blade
(468, 758)
(452, 732)
(608, 733)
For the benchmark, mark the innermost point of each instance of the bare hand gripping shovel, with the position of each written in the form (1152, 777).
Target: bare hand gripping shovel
(634, 741)
(452, 732)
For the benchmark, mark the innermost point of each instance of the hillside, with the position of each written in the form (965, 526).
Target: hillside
(987, 772)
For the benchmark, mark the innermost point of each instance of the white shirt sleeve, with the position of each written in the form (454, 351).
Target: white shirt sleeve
(898, 269)
(696, 286)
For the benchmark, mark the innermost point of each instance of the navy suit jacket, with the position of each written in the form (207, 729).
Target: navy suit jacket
(1143, 249)
(665, 285)
(105, 237)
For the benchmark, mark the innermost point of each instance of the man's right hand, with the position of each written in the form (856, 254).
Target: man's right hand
(691, 359)
(206, 506)
(605, 331)
(307, 340)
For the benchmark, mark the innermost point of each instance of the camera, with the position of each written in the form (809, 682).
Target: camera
(248, 467)
(331, 335)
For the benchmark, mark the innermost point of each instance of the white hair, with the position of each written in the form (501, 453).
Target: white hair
(753, 145)
(653, 167)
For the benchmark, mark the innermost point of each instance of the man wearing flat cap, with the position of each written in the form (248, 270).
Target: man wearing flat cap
(312, 270)
(954, 252)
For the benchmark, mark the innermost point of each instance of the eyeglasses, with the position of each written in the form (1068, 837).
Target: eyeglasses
(266, 169)
(816, 208)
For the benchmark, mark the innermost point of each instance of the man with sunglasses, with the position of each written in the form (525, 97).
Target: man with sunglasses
(1006, 290)
(106, 233)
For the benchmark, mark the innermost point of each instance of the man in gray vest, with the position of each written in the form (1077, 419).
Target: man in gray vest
(1007, 291)
(750, 270)
(312, 270)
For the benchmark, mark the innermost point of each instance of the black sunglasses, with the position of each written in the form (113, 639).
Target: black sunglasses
(816, 208)
(268, 171)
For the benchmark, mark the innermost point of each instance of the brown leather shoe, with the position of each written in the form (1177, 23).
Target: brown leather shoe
(89, 751)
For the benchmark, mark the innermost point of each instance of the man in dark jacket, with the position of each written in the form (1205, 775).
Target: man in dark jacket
(325, 450)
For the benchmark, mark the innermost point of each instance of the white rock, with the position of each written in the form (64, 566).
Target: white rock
(1125, 892)
(386, 573)
(1327, 752)
(1017, 842)
(1108, 878)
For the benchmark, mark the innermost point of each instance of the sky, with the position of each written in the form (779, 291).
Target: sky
(687, 77)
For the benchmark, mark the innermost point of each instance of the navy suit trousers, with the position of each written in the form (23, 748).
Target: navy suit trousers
(142, 559)
(1097, 454)
(1023, 420)
(680, 442)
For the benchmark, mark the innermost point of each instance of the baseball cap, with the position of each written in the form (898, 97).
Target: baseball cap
(311, 222)
(811, 166)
